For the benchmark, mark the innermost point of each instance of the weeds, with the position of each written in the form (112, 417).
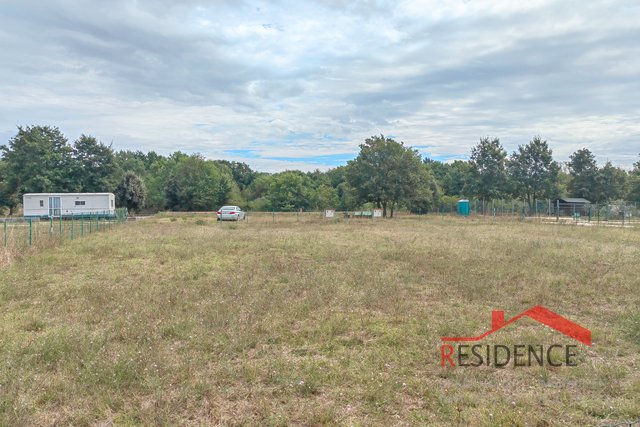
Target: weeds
(267, 323)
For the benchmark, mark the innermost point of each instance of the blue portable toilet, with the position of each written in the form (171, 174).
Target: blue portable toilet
(463, 207)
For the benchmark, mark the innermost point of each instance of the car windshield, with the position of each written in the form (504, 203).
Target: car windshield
(228, 208)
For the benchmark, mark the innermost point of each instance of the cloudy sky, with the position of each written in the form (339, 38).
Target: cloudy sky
(299, 84)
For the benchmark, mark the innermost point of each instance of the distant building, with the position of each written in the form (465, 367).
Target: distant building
(569, 206)
(56, 205)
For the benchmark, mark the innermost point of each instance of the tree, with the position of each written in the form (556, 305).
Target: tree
(488, 160)
(195, 184)
(385, 173)
(7, 196)
(132, 161)
(426, 194)
(337, 178)
(94, 165)
(242, 174)
(455, 179)
(289, 191)
(131, 192)
(533, 171)
(38, 160)
(633, 193)
(325, 197)
(583, 171)
(611, 183)
(634, 183)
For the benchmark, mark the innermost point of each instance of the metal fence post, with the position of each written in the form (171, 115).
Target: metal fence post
(82, 226)
(71, 226)
(50, 227)
(60, 225)
(5, 233)
(30, 231)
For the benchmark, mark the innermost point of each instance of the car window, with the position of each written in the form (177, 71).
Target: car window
(227, 208)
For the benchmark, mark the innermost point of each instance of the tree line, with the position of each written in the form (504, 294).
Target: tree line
(386, 174)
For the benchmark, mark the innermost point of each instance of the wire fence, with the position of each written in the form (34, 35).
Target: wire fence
(544, 211)
(614, 213)
(20, 235)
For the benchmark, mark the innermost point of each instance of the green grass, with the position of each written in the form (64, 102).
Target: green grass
(310, 322)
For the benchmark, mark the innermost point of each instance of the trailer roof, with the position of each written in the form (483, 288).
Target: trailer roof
(574, 200)
(67, 194)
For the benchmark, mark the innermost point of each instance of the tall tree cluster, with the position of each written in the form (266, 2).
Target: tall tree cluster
(530, 173)
(386, 174)
(597, 184)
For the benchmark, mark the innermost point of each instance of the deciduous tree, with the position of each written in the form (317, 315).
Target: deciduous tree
(131, 192)
(38, 160)
(583, 172)
(488, 160)
(195, 184)
(289, 191)
(385, 172)
(94, 168)
(534, 172)
(611, 183)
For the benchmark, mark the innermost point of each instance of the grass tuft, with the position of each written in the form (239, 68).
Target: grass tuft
(296, 320)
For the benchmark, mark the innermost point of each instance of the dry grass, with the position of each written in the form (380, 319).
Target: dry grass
(166, 321)
(20, 238)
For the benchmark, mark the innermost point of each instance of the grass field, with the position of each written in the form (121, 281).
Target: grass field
(182, 320)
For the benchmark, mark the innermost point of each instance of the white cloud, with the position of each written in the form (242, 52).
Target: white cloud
(276, 78)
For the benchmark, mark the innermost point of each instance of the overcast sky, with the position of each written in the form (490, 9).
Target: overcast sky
(299, 84)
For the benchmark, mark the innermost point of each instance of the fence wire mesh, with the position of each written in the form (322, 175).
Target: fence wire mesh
(614, 213)
(20, 235)
(544, 211)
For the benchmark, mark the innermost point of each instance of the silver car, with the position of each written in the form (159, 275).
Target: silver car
(230, 213)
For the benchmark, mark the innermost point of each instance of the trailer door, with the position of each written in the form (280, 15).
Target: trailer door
(54, 207)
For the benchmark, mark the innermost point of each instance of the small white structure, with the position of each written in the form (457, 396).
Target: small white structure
(56, 205)
(329, 213)
(377, 213)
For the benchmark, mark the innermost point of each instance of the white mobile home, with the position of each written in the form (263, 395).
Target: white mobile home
(55, 205)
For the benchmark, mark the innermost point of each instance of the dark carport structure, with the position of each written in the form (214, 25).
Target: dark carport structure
(571, 206)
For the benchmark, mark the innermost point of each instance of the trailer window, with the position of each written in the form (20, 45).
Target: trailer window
(42, 203)
(79, 202)
(112, 203)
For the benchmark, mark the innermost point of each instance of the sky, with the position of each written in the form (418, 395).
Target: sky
(300, 84)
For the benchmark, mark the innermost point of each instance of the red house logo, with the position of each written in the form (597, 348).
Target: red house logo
(537, 313)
